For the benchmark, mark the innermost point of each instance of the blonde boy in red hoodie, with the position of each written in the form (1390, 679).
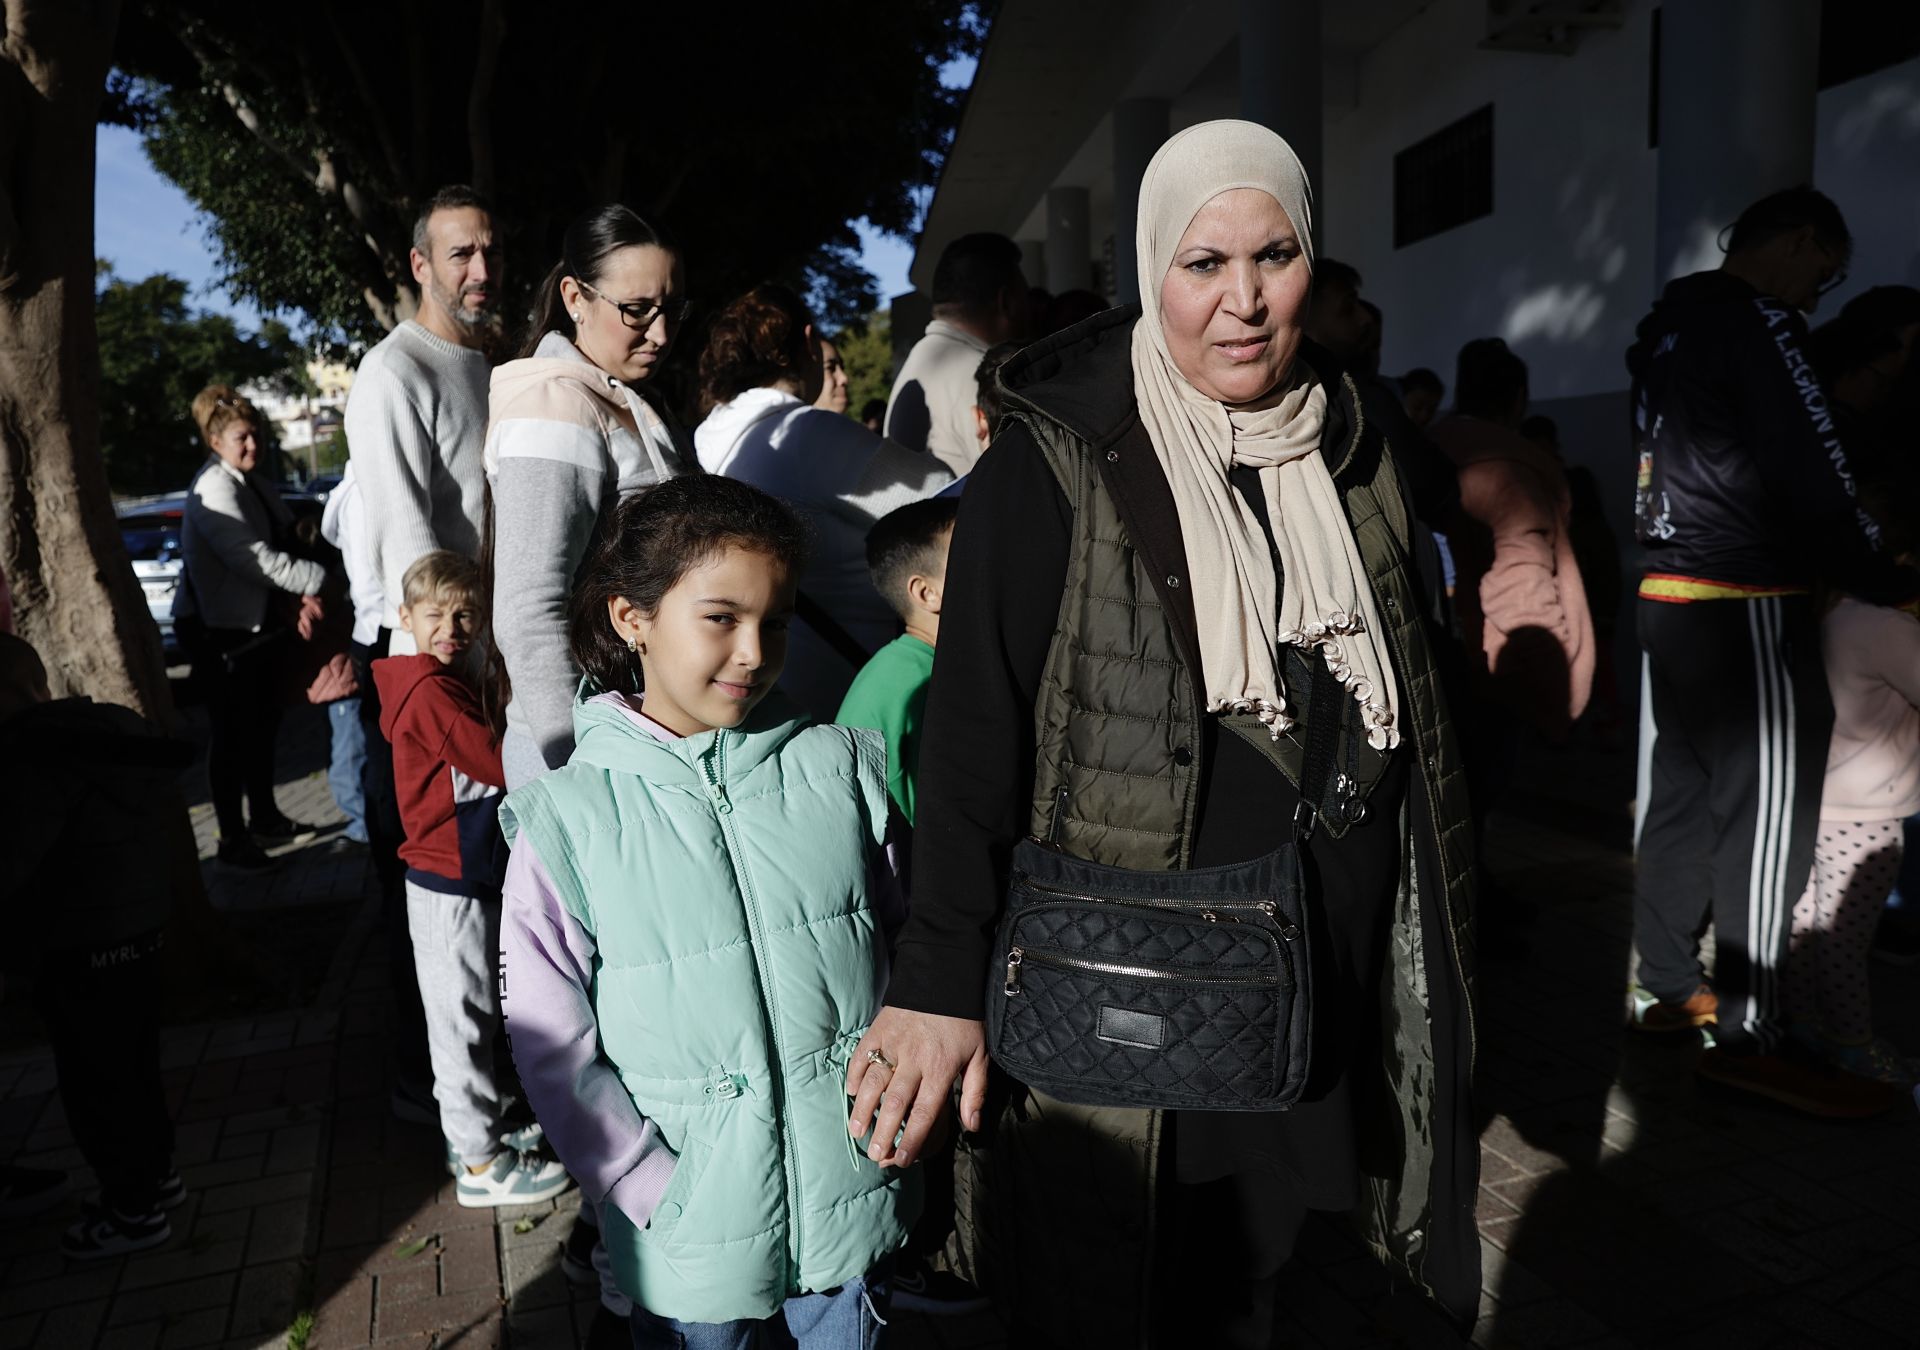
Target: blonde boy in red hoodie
(447, 776)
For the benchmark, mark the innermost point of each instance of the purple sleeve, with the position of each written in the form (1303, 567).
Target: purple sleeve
(613, 1151)
(887, 882)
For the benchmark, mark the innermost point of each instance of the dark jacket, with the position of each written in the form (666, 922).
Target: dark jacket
(1743, 478)
(1115, 716)
(446, 774)
(93, 812)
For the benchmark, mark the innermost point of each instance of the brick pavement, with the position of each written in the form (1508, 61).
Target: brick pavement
(1621, 1203)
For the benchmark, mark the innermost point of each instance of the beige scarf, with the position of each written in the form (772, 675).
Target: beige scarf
(1325, 603)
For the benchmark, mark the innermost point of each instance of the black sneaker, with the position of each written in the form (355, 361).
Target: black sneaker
(30, 1190)
(576, 1254)
(172, 1193)
(103, 1233)
(918, 1287)
(282, 830)
(245, 855)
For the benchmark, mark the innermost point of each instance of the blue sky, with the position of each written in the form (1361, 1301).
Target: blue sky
(143, 224)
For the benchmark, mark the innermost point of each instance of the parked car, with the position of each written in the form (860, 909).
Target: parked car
(150, 528)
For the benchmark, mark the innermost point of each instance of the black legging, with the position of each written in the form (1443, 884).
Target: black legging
(238, 672)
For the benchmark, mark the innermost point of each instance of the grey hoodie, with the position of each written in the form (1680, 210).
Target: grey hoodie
(565, 442)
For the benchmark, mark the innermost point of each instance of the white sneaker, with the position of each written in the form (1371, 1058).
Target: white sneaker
(513, 1179)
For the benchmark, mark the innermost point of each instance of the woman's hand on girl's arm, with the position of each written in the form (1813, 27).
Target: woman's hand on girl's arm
(929, 1053)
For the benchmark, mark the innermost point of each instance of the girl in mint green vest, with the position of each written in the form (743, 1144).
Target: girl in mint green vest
(691, 945)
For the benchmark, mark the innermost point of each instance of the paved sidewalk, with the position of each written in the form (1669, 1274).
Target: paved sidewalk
(1621, 1203)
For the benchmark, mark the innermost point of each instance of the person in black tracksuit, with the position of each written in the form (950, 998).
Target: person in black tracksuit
(1744, 505)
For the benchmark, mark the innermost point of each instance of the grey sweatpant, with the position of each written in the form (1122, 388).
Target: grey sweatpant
(456, 953)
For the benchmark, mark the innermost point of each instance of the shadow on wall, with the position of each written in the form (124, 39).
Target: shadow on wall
(1868, 141)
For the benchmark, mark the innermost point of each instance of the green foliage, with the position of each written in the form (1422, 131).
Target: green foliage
(752, 135)
(867, 352)
(156, 353)
(301, 1331)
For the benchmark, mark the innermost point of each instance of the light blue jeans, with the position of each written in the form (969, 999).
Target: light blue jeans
(345, 763)
(852, 1317)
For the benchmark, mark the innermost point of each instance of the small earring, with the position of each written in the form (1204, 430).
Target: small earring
(574, 317)
(633, 645)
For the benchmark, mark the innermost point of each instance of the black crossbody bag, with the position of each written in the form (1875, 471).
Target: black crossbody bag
(1176, 990)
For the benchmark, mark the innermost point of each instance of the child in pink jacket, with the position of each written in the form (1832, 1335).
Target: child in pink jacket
(1873, 784)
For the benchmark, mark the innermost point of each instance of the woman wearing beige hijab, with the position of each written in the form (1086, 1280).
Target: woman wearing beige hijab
(1186, 514)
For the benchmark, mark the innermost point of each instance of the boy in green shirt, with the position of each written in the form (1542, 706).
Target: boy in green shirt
(907, 559)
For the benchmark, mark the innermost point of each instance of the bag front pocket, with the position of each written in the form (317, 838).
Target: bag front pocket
(1111, 1002)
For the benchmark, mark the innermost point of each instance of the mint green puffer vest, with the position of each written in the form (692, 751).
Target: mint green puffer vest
(724, 878)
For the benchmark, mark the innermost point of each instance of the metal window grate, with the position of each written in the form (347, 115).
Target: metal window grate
(1445, 180)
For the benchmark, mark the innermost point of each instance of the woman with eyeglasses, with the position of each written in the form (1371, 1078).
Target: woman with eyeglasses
(572, 429)
(761, 373)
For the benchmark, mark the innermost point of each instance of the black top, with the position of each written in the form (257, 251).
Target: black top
(1743, 476)
(1005, 576)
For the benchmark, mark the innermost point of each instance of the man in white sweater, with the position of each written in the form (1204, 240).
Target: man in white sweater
(417, 417)
(416, 430)
(980, 298)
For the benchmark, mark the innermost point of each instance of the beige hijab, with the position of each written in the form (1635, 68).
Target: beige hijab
(1325, 603)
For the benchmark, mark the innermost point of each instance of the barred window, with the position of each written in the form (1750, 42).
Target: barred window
(1445, 180)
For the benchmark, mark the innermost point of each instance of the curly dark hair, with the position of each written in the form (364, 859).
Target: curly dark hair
(754, 341)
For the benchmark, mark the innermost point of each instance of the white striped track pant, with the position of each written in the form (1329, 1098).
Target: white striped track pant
(1741, 720)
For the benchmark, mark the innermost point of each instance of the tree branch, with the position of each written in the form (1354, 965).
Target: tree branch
(381, 131)
(322, 172)
(493, 34)
(613, 167)
(419, 103)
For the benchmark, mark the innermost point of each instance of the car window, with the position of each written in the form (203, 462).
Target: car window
(151, 538)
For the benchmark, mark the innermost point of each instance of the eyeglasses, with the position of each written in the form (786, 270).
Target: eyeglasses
(640, 314)
(1834, 282)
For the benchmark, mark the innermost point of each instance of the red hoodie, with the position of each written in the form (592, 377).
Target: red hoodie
(446, 774)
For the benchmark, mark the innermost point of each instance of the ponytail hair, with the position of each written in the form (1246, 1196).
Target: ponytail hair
(756, 340)
(589, 242)
(653, 539)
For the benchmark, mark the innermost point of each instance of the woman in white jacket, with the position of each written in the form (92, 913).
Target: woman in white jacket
(236, 563)
(570, 431)
(759, 375)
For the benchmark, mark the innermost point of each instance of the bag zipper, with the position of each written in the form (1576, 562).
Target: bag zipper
(1204, 909)
(1019, 956)
(1059, 816)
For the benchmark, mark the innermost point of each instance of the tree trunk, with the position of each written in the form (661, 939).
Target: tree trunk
(74, 593)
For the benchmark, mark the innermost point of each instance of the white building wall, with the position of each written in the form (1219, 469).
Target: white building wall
(1563, 267)
(1867, 158)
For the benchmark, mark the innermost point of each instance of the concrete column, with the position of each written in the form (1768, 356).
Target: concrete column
(1033, 261)
(1280, 62)
(1069, 240)
(1139, 130)
(1738, 80)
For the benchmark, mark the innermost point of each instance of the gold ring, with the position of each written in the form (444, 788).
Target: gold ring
(875, 1057)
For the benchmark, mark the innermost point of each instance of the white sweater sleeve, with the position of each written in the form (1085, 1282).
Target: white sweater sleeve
(221, 520)
(394, 459)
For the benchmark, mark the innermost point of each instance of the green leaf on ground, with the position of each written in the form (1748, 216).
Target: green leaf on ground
(525, 1225)
(413, 1248)
(298, 1333)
